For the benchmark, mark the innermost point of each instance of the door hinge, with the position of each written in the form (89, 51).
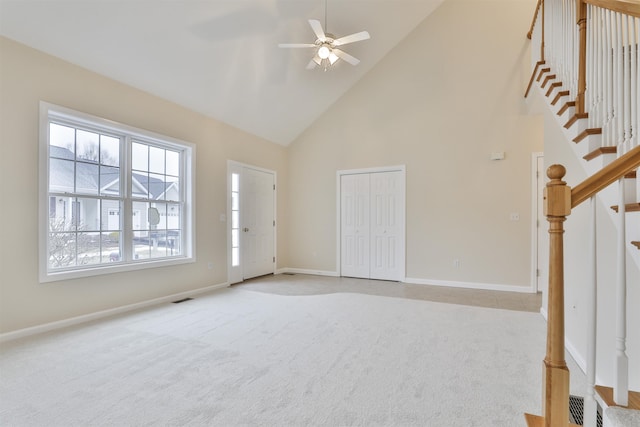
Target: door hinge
(274, 259)
(274, 222)
(538, 273)
(274, 186)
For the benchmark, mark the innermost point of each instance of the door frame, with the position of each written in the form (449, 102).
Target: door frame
(232, 167)
(534, 218)
(403, 245)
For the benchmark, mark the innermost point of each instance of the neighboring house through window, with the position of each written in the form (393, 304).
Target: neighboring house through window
(117, 198)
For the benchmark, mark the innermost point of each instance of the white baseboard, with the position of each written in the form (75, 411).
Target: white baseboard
(306, 271)
(470, 285)
(21, 333)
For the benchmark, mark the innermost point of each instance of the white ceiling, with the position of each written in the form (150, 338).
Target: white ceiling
(218, 57)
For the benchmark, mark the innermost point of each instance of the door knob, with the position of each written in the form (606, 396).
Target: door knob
(246, 229)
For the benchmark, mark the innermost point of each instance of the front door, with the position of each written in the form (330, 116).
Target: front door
(251, 222)
(258, 223)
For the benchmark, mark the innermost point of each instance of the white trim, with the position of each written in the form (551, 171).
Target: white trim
(21, 333)
(307, 271)
(534, 219)
(339, 174)
(469, 285)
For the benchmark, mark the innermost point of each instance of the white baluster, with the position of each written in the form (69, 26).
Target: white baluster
(590, 404)
(621, 364)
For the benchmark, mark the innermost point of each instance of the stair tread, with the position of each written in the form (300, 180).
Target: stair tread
(636, 244)
(600, 151)
(575, 118)
(606, 393)
(585, 133)
(565, 107)
(629, 207)
(558, 96)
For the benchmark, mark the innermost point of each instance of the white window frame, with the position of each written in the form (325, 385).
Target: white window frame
(129, 133)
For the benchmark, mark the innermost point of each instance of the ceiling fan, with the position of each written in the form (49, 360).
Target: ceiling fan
(326, 46)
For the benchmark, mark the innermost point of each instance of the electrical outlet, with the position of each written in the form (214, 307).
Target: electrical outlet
(456, 263)
(210, 265)
(514, 216)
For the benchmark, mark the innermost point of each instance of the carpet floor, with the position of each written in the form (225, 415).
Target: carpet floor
(243, 358)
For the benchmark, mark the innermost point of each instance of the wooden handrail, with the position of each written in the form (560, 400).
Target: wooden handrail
(628, 7)
(605, 176)
(535, 16)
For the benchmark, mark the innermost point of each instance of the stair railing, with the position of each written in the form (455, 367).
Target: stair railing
(591, 46)
(559, 200)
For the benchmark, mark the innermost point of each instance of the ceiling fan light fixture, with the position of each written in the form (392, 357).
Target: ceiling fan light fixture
(324, 52)
(333, 58)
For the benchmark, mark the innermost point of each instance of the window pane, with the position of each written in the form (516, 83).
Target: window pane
(173, 163)
(87, 178)
(156, 160)
(109, 150)
(140, 211)
(140, 157)
(141, 248)
(157, 187)
(235, 219)
(158, 244)
(87, 146)
(60, 214)
(235, 257)
(235, 201)
(110, 214)
(174, 243)
(111, 247)
(62, 250)
(161, 212)
(61, 137)
(173, 216)
(235, 238)
(61, 173)
(235, 182)
(88, 211)
(88, 248)
(140, 185)
(109, 181)
(173, 189)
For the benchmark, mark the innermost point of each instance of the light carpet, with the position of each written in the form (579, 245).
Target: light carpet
(242, 358)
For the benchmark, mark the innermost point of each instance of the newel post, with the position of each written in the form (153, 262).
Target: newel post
(557, 206)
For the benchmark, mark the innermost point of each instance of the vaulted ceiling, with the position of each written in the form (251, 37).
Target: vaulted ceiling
(218, 57)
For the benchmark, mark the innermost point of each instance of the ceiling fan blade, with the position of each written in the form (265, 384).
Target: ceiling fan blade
(316, 26)
(346, 57)
(362, 35)
(311, 65)
(296, 45)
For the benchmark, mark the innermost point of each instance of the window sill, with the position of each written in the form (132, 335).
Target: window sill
(56, 276)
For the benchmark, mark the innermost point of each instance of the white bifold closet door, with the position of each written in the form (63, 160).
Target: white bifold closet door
(372, 225)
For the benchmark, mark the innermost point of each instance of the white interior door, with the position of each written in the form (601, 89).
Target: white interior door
(355, 215)
(372, 225)
(258, 223)
(386, 225)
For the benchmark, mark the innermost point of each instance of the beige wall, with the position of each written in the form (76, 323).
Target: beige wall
(441, 102)
(26, 78)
